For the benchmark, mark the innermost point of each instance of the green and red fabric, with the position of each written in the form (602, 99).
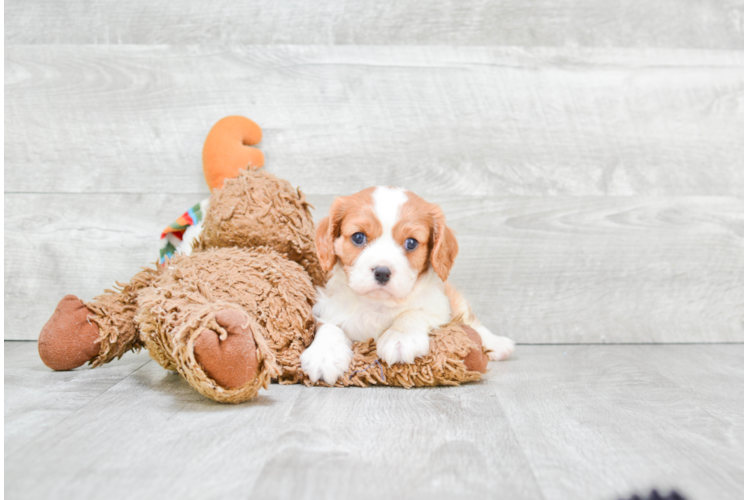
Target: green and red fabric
(178, 237)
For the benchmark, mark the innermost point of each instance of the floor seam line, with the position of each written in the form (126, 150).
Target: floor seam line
(519, 445)
(36, 438)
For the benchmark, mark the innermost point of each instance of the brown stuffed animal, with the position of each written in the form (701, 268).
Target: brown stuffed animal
(237, 312)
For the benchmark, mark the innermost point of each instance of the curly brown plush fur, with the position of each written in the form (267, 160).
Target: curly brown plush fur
(242, 299)
(274, 291)
(445, 364)
(258, 209)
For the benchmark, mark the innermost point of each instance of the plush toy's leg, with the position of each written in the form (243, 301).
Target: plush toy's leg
(221, 351)
(95, 332)
(476, 360)
(68, 340)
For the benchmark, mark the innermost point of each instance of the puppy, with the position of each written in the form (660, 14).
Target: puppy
(388, 253)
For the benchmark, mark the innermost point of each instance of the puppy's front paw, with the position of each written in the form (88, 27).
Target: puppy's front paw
(501, 347)
(399, 347)
(326, 361)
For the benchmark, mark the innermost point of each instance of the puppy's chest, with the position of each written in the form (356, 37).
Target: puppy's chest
(369, 321)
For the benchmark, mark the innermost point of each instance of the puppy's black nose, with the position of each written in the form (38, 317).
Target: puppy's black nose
(382, 274)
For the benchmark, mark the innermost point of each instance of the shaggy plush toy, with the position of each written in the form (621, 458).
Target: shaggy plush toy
(236, 312)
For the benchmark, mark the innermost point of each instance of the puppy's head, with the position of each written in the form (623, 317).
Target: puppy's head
(385, 238)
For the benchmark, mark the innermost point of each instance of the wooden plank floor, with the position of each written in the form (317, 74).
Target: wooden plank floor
(555, 422)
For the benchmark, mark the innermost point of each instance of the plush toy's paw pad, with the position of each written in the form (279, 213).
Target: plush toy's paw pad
(326, 361)
(476, 360)
(231, 362)
(501, 347)
(399, 347)
(69, 340)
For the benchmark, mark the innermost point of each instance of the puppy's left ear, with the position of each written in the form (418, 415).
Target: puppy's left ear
(444, 246)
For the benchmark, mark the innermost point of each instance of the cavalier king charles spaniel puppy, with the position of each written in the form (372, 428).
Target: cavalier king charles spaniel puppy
(387, 253)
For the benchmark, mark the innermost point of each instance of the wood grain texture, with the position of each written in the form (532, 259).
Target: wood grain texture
(554, 422)
(743, 231)
(175, 443)
(447, 120)
(78, 244)
(701, 24)
(592, 420)
(604, 269)
(38, 399)
(537, 269)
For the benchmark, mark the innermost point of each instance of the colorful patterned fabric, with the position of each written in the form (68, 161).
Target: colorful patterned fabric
(179, 236)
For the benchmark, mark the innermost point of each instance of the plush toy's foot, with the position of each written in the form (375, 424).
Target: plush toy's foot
(476, 360)
(231, 362)
(69, 340)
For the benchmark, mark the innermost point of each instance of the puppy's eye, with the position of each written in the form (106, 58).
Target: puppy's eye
(411, 244)
(358, 239)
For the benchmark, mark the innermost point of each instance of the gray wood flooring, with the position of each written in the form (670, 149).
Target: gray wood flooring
(555, 422)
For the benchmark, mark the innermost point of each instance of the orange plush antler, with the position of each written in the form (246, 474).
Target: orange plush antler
(228, 149)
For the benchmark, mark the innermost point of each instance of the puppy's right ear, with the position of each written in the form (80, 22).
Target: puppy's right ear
(325, 241)
(327, 232)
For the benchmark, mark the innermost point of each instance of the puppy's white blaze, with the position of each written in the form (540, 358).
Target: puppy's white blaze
(387, 203)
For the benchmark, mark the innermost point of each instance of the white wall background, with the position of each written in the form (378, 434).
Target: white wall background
(589, 155)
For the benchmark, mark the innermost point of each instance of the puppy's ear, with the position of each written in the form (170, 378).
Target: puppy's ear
(327, 230)
(444, 246)
(325, 243)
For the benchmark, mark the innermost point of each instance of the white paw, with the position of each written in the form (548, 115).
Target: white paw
(501, 347)
(399, 347)
(326, 361)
